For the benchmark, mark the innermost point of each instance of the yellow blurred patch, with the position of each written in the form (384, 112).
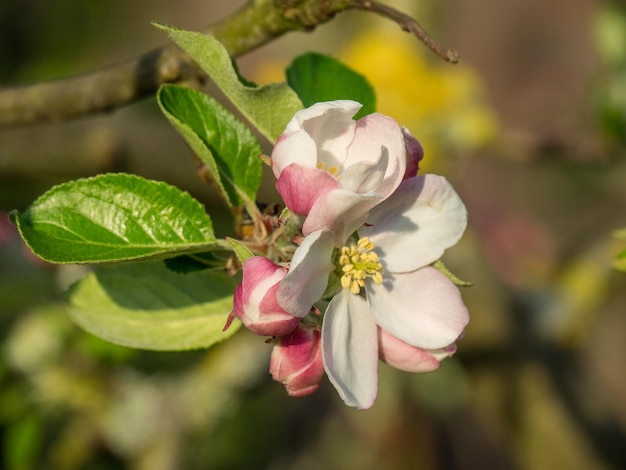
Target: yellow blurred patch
(442, 104)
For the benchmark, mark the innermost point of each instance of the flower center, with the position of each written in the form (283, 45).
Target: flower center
(333, 170)
(357, 262)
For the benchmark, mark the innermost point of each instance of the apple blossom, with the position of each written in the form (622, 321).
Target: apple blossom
(333, 169)
(372, 229)
(296, 360)
(392, 304)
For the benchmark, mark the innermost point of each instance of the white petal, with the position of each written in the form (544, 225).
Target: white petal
(307, 277)
(331, 126)
(315, 134)
(293, 147)
(364, 177)
(422, 308)
(341, 212)
(347, 107)
(415, 225)
(373, 132)
(350, 349)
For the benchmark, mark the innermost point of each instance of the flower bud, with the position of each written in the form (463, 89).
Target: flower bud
(296, 361)
(403, 356)
(255, 301)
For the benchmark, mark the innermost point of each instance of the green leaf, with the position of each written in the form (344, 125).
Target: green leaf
(147, 306)
(241, 250)
(227, 147)
(317, 77)
(269, 107)
(114, 218)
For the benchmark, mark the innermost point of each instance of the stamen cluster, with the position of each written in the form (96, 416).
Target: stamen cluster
(357, 262)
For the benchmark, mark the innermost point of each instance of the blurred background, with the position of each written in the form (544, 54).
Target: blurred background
(530, 127)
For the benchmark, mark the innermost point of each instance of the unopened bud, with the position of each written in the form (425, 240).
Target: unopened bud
(255, 301)
(296, 361)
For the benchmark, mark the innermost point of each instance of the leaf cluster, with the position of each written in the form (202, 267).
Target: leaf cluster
(132, 224)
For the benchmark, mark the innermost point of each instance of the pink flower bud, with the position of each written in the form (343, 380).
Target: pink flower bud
(255, 301)
(403, 356)
(296, 361)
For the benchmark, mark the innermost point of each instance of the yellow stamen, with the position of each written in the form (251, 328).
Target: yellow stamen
(357, 263)
(333, 170)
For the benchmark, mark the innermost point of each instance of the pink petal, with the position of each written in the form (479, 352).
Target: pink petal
(300, 187)
(403, 356)
(259, 274)
(422, 308)
(307, 278)
(255, 299)
(296, 361)
(350, 349)
(414, 226)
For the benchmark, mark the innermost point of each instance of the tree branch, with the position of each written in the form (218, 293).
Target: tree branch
(257, 23)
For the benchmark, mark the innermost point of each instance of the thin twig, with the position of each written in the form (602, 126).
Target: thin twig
(408, 24)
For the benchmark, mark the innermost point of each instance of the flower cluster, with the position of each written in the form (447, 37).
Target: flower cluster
(360, 286)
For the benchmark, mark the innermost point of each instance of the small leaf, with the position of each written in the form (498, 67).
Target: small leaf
(241, 250)
(224, 144)
(269, 107)
(317, 77)
(147, 306)
(442, 268)
(114, 218)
